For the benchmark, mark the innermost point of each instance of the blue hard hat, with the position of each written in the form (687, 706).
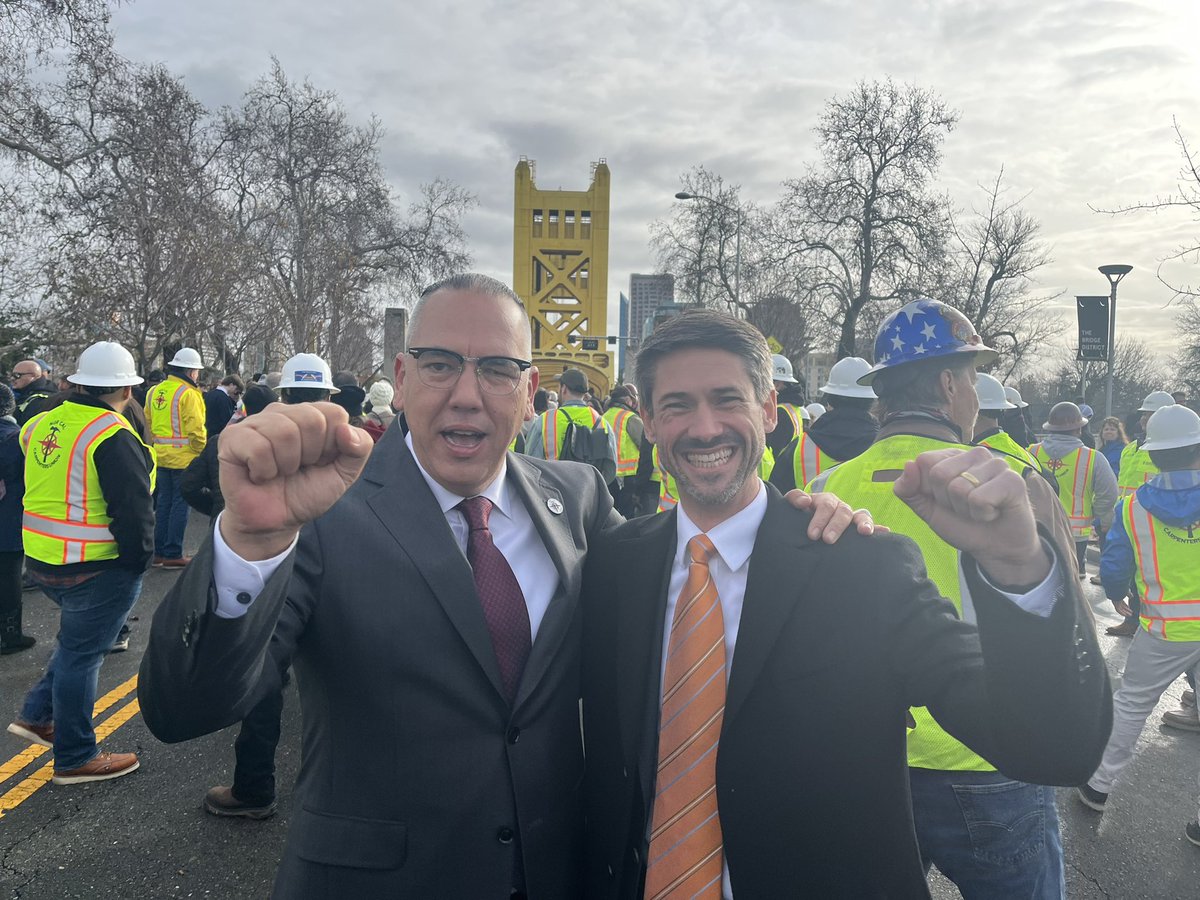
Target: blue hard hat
(925, 329)
(1087, 411)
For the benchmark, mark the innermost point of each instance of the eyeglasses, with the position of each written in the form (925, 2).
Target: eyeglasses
(16, 375)
(441, 369)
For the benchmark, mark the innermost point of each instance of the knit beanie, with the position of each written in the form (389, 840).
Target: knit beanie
(380, 396)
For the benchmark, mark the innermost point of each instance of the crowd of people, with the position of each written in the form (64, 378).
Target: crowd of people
(689, 564)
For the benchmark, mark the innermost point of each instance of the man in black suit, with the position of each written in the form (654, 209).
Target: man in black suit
(441, 743)
(770, 762)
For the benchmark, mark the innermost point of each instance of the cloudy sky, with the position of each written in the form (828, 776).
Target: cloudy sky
(1074, 98)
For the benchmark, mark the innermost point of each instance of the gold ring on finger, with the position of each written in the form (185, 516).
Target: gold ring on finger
(971, 478)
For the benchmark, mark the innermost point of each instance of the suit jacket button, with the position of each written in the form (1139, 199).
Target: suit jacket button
(505, 835)
(243, 598)
(610, 871)
(514, 735)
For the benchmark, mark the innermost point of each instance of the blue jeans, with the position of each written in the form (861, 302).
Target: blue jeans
(995, 838)
(170, 514)
(92, 614)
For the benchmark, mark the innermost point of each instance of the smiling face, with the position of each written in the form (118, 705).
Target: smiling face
(710, 430)
(460, 434)
(1109, 433)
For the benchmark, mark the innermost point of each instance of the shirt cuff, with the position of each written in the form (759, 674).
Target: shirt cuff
(1040, 599)
(239, 581)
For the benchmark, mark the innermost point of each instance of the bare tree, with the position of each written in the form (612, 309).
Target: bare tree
(310, 195)
(1185, 366)
(866, 224)
(1137, 370)
(990, 268)
(1186, 197)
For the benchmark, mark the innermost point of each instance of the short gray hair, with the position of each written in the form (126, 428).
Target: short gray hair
(467, 282)
(710, 329)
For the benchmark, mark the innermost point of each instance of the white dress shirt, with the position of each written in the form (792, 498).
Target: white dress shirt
(239, 581)
(734, 541)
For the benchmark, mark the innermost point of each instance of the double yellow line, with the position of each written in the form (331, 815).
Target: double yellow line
(18, 794)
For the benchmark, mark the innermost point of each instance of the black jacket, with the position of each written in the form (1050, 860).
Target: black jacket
(34, 399)
(201, 481)
(843, 433)
(218, 410)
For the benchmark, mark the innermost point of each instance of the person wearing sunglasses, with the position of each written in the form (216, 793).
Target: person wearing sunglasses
(31, 388)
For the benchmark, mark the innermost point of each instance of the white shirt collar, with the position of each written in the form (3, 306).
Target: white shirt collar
(497, 491)
(734, 538)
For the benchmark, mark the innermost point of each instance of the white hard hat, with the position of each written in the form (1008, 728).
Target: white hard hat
(805, 415)
(1156, 400)
(843, 379)
(1014, 397)
(991, 393)
(106, 364)
(782, 369)
(187, 358)
(1170, 427)
(816, 410)
(307, 370)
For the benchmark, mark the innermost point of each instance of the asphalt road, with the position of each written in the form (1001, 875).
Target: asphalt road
(146, 835)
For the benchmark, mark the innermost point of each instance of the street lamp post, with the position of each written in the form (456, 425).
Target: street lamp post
(737, 241)
(1114, 274)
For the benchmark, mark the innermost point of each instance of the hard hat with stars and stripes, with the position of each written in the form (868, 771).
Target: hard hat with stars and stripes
(925, 329)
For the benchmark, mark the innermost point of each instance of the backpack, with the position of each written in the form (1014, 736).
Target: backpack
(591, 446)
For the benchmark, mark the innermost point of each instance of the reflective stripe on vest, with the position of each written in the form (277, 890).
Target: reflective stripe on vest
(1136, 469)
(1166, 572)
(668, 496)
(793, 412)
(808, 461)
(1003, 442)
(62, 505)
(1073, 473)
(628, 451)
(867, 481)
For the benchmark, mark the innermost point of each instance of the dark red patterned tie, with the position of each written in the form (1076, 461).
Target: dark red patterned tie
(499, 593)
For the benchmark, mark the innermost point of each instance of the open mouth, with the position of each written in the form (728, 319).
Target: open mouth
(463, 439)
(709, 459)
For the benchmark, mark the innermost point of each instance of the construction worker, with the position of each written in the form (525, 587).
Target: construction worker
(1087, 487)
(32, 387)
(924, 377)
(1156, 540)
(88, 535)
(993, 401)
(1016, 421)
(844, 432)
(175, 411)
(815, 411)
(622, 418)
(1135, 470)
(548, 438)
(790, 398)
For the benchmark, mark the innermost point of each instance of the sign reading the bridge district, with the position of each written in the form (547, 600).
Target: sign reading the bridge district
(1093, 327)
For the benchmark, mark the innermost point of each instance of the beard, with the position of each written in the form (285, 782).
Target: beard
(714, 495)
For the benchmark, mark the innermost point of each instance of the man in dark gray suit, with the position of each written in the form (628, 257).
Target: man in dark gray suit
(441, 743)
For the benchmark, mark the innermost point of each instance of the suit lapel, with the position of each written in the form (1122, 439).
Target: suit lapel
(780, 567)
(640, 599)
(417, 523)
(555, 532)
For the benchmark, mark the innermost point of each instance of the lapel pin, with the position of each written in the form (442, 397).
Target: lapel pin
(555, 506)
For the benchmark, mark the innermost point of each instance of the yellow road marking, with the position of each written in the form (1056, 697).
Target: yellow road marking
(22, 792)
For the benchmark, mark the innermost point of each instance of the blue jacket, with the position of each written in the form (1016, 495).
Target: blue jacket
(12, 477)
(1112, 452)
(1173, 498)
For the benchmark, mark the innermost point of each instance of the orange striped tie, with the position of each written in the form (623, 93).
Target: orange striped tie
(685, 837)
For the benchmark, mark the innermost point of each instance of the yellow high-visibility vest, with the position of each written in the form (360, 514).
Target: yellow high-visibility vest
(1003, 442)
(1167, 573)
(808, 460)
(668, 493)
(792, 411)
(175, 412)
(628, 451)
(1136, 469)
(867, 481)
(1076, 486)
(554, 427)
(66, 517)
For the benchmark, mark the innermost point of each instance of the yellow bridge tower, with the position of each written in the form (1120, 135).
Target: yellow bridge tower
(560, 270)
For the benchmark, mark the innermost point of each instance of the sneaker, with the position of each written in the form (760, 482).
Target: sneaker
(1188, 698)
(157, 562)
(220, 802)
(28, 584)
(1184, 718)
(1091, 798)
(1192, 832)
(1128, 628)
(177, 563)
(17, 644)
(121, 644)
(102, 768)
(35, 734)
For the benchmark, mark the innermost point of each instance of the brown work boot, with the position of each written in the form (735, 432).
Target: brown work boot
(102, 768)
(220, 801)
(35, 734)
(177, 563)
